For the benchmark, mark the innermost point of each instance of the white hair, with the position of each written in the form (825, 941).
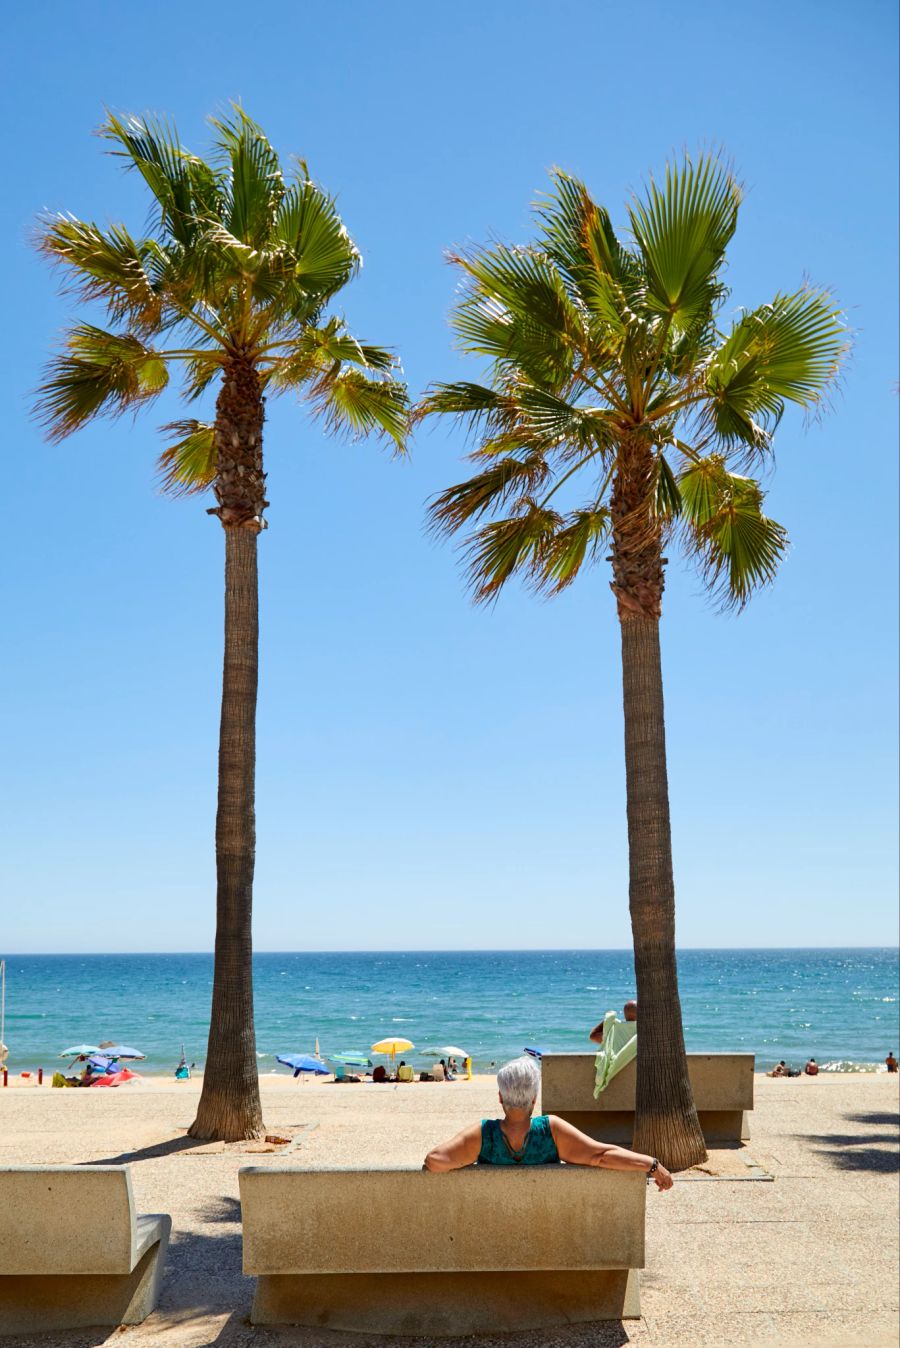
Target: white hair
(518, 1083)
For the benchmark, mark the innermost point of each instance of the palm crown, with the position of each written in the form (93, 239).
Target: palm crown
(609, 370)
(238, 268)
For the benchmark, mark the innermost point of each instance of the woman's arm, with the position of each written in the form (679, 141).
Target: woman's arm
(576, 1148)
(459, 1151)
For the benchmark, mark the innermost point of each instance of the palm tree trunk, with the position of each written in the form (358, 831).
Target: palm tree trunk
(666, 1123)
(229, 1107)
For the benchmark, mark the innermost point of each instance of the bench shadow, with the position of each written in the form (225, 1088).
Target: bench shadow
(203, 1274)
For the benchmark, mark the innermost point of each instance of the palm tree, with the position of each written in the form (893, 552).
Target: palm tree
(620, 416)
(230, 288)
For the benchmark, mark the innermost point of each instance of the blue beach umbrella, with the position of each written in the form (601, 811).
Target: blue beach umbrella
(535, 1053)
(351, 1059)
(120, 1051)
(99, 1062)
(80, 1050)
(302, 1062)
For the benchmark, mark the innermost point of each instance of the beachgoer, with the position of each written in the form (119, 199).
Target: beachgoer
(890, 1062)
(618, 1045)
(379, 1074)
(452, 1065)
(405, 1072)
(812, 1068)
(629, 1013)
(779, 1070)
(437, 1072)
(520, 1139)
(448, 1075)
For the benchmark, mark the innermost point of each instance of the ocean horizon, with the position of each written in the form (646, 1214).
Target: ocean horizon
(837, 1004)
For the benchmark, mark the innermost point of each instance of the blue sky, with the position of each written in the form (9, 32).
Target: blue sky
(432, 775)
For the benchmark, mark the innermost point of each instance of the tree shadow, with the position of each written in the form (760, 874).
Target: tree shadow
(878, 1120)
(155, 1151)
(876, 1153)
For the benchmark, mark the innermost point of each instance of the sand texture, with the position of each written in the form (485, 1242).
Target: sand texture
(809, 1256)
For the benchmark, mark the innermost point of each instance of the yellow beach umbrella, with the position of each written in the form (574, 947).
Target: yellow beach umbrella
(392, 1046)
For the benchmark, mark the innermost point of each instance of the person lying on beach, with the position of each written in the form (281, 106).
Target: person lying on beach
(629, 1013)
(890, 1062)
(520, 1139)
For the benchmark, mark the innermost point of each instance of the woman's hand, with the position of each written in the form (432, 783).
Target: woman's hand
(662, 1178)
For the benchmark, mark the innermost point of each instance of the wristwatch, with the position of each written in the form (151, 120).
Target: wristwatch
(653, 1169)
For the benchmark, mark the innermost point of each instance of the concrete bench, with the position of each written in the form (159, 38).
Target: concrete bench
(404, 1251)
(72, 1251)
(722, 1084)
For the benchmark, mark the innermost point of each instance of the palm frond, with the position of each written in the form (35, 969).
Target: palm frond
(100, 373)
(516, 311)
(737, 546)
(513, 475)
(578, 540)
(667, 500)
(516, 544)
(550, 420)
(477, 405)
(682, 230)
(255, 184)
(322, 351)
(200, 369)
(188, 466)
(106, 265)
(353, 403)
(151, 146)
(788, 351)
(307, 222)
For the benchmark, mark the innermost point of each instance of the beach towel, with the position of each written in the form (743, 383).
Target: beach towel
(619, 1047)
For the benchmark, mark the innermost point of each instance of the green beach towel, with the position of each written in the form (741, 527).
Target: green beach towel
(617, 1050)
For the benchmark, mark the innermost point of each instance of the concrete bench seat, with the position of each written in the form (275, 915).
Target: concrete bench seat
(403, 1251)
(722, 1084)
(73, 1253)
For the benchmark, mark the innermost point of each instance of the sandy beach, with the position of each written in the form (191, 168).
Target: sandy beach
(808, 1256)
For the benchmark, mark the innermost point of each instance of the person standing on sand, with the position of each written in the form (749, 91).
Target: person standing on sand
(890, 1062)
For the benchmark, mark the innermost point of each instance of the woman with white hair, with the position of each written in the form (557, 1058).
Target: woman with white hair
(520, 1139)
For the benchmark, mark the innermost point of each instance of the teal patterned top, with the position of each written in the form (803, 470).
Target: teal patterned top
(538, 1148)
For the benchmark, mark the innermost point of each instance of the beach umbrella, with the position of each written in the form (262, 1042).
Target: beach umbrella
(535, 1053)
(350, 1059)
(302, 1062)
(448, 1051)
(99, 1062)
(80, 1050)
(392, 1047)
(120, 1051)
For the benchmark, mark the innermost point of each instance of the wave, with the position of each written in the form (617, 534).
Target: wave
(845, 1065)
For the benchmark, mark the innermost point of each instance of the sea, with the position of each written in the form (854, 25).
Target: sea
(838, 1006)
